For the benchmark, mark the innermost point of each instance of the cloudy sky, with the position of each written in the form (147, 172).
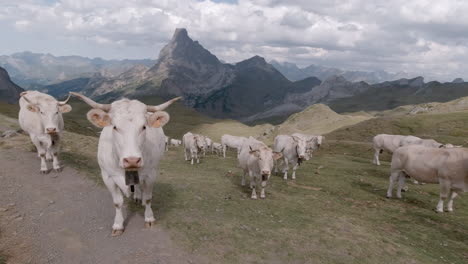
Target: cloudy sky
(421, 37)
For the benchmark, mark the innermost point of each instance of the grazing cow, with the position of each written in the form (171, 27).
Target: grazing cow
(175, 142)
(130, 148)
(217, 148)
(41, 116)
(446, 166)
(391, 142)
(257, 160)
(232, 142)
(294, 150)
(193, 146)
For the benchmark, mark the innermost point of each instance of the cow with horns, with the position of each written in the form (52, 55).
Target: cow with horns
(130, 147)
(40, 116)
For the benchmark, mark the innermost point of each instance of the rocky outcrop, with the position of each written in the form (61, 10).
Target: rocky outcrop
(9, 91)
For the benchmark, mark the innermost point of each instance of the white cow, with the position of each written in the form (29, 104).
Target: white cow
(446, 166)
(41, 116)
(294, 150)
(193, 146)
(209, 144)
(217, 148)
(232, 142)
(175, 142)
(257, 160)
(314, 141)
(131, 142)
(390, 143)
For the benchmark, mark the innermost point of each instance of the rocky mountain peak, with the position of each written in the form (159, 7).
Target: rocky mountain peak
(180, 35)
(458, 80)
(9, 92)
(255, 61)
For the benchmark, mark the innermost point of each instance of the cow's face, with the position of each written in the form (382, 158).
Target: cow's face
(200, 142)
(264, 158)
(50, 113)
(129, 122)
(301, 146)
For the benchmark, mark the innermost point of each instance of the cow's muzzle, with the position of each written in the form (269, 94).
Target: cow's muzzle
(132, 163)
(51, 130)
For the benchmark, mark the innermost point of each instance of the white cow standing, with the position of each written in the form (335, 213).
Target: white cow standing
(446, 166)
(294, 150)
(232, 142)
(256, 159)
(193, 146)
(209, 144)
(131, 140)
(41, 116)
(314, 142)
(390, 143)
(217, 148)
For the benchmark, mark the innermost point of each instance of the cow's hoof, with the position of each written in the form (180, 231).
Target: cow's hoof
(388, 197)
(150, 224)
(58, 170)
(254, 197)
(262, 196)
(44, 171)
(117, 232)
(438, 211)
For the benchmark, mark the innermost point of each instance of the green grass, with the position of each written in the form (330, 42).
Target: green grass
(3, 259)
(335, 214)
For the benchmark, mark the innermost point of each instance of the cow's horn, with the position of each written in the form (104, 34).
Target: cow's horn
(23, 94)
(105, 107)
(64, 102)
(155, 108)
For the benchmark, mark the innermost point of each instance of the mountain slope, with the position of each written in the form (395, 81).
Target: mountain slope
(389, 95)
(9, 91)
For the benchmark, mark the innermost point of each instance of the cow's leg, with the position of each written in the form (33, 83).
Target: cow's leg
(253, 185)
(54, 148)
(224, 151)
(376, 156)
(243, 177)
(285, 168)
(41, 153)
(393, 177)
(401, 183)
(197, 157)
(264, 183)
(185, 154)
(191, 156)
(293, 175)
(444, 193)
(450, 202)
(147, 196)
(117, 197)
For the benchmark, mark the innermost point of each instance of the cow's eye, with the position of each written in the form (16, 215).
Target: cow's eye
(56, 113)
(42, 113)
(144, 127)
(115, 128)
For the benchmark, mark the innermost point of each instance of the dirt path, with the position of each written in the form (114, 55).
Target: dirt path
(67, 218)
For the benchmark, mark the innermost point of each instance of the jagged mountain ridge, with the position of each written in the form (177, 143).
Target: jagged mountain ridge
(294, 73)
(30, 69)
(9, 91)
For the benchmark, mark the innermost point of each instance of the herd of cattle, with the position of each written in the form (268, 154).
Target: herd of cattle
(132, 144)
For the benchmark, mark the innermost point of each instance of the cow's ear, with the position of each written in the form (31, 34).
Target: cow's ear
(158, 119)
(277, 155)
(99, 118)
(32, 108)
(65, 108)
(295, 138)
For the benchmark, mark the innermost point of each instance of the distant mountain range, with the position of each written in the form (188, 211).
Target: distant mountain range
(32, 70)
(294, 73)
(252, 90)
(9, 91)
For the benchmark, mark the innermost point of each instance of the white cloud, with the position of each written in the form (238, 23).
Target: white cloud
(418, 36)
